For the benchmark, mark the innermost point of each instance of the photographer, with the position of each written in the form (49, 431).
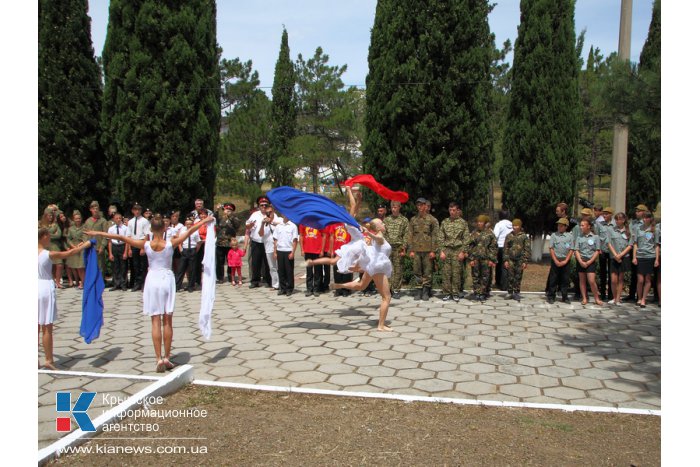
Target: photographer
(226, 229)
(259, 269)
(267, 228)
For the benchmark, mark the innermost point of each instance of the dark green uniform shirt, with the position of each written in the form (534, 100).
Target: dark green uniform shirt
(396, 231)
(482, 246)
(517, 247)
(423, 234)
(453, 233)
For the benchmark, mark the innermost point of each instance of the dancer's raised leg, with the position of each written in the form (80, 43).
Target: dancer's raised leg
(362, 285)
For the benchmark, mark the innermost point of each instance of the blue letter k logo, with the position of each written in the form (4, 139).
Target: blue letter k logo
(79, 410)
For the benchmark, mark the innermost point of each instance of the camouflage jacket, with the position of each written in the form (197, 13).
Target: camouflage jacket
(517, 247)
(226, 229)
(423, 233)
(482, 245)
(99, 225)
(453, 233)
(396, 231)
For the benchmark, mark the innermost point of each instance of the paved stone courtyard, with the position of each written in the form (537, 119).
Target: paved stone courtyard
(501, 350)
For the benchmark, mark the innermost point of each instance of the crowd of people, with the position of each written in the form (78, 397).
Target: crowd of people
(601, 250)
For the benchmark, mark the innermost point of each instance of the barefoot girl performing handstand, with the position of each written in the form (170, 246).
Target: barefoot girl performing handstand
(372, 258)
(159, 288)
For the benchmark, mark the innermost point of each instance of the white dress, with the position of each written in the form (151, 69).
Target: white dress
(159, 288)
(350, 253)
(377, 259)
(47, 290)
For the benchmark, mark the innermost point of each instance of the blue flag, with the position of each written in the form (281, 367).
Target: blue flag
(309, 209)
(93, 286)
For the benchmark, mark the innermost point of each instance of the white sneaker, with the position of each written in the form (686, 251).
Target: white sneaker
(612, 302)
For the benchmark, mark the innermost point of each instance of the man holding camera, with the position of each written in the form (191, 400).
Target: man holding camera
(259, 270)
(226, 229)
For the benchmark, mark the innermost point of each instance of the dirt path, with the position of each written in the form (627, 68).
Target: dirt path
(258, 428)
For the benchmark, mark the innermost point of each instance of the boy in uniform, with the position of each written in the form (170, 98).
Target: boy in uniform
(396, 234)
(516, 255)
(482, 251)
(422, 241)
(561, 245)
(452, 238)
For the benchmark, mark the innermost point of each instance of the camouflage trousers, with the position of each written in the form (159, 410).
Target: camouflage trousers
(481, 275)
(515, 275)
(452, 272)
(397, 268)
(423, 269)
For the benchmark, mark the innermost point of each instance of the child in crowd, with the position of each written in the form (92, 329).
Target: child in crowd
(286, 238)
(619, 243)
(516, 255)
(560, 251)
(587, 250)
(646, 255)
(482, 252)
(235, 262)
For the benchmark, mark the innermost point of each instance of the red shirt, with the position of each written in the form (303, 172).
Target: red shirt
(311, 239)
(339, 234)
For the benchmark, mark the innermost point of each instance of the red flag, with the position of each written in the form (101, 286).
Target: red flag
(369, 181)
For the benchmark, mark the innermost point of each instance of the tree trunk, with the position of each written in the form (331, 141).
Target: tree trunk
(537, 247)
(314, 178)
(593, 167)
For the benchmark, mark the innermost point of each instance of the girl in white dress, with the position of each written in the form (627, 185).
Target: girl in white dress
(47, 292)
(159, 287)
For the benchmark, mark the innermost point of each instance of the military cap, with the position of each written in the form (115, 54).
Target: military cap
(608, 209)
(641, 207)
(75, 211)
(421, 201)
(94, 204)
(563, 221)
(381, 205)
(230, 206)
(586, 212)
(517, 222)
(136, 206)
(262, 200)
(482, 218)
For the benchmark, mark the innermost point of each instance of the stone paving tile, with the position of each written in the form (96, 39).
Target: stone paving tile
(500, 350)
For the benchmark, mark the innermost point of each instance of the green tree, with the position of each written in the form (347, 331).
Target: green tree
(71, 161)
(161, 110)
(500, 77)
(541, 147)
(238, 82)
(281, 168)
(245, 147)
(429, 93)
(320, 100)
(644, 155)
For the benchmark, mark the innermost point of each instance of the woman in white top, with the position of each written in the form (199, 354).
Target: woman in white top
(47, 291)
(159, 287)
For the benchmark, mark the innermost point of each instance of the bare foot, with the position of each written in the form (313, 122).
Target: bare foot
(160, 366)
(49, 365)
(168, 364)
(384, 328)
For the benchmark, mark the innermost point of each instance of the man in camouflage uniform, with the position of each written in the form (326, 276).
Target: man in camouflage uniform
(482, 251)
(516, 255)
(397, 235)
(226, 229)
(97, 222)
(452, 237)
(422, 241)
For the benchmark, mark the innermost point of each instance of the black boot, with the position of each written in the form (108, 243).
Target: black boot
(425, 294)
(419, 294)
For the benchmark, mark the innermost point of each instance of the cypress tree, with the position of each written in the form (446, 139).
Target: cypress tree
(541, 147)
(161, 109)
(428, 97)
(70, 158)
(644, 156)
(281, 166)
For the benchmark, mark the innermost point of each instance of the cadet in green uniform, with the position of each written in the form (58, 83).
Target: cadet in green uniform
(397, 235)
(561, 245)
(604, 279)
(422, 242)
(226, 228)
(74, 238)
(50, 222)
(516, 255)
(452, 238)
(482, 251)
(587, 250)
(99, 223)
(646, 255)
(634, 226)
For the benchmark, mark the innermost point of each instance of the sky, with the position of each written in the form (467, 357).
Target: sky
(252, 30)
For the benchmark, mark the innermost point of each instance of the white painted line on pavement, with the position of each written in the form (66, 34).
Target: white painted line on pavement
(444, 400)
